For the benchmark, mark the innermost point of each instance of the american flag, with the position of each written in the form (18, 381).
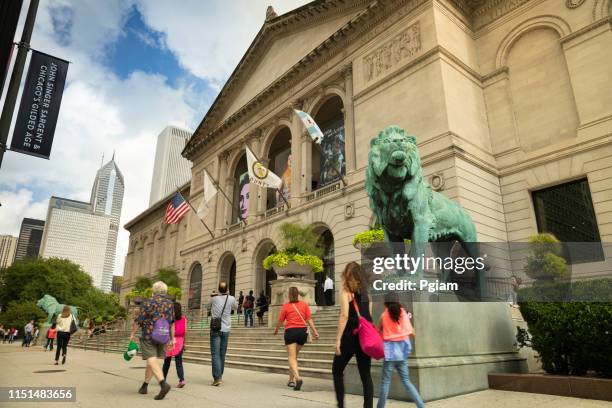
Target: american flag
(177, 207)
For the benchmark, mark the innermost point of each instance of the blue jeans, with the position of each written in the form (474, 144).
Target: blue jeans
(179, 366)
(248, 314)
(218, 348)
(402, 369)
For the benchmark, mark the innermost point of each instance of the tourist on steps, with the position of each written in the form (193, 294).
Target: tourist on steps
(296, 317)
(149, 318)
(354, 287)
(248, 305)
(220, 308)
(180, 328)
(262, 308)
(396, 329)
(63, 323)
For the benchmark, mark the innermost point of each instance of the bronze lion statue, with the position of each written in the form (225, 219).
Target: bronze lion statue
(404, 203)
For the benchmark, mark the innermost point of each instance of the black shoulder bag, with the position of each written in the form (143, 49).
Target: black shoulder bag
(215, 322)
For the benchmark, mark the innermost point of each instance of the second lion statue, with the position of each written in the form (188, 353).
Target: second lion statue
(404, 203)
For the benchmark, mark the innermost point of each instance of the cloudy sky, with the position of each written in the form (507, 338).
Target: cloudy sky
(136, 66)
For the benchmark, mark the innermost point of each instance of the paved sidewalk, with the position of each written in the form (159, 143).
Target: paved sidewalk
(106, 380)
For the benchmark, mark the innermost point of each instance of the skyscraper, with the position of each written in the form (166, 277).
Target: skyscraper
(86, 232)
(170, 168)
(30, 237)
(7, 250)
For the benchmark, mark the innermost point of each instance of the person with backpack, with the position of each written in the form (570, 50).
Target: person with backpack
(180, 328)
(248, 305)
(51, 335)
(396, 329)
(296, 317)
(64, 325)
(262, 308)
(156, 318)
(354, 303)
(220, 307)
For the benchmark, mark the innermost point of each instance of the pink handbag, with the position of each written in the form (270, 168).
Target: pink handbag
(369, 338)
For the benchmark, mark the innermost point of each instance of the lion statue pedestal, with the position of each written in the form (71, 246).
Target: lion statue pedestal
(457, 343)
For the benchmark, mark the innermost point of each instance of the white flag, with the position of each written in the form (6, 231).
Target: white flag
(210, 191)
(311, 126)
(260, 174)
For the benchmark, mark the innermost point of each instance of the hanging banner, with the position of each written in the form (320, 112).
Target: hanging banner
(40, 105)
(333, 161)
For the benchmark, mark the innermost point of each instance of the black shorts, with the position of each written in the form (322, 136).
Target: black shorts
(297, 335)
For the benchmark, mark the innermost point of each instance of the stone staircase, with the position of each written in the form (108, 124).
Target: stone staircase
(253, 348)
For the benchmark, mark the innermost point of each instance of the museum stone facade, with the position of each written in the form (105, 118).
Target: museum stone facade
(509, 100)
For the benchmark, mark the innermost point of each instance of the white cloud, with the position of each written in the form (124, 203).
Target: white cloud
(101, 112)
(17, 205)
(209, 37)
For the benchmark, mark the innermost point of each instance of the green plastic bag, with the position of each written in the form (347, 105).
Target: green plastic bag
(131, 351)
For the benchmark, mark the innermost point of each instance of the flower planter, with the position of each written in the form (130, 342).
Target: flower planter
(292, 269)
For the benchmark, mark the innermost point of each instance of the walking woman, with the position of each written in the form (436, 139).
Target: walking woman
(354, 292)
(396, 329)
(62, 324)
(180, 328)
(296, 317)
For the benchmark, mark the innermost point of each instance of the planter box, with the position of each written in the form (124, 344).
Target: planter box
(292, 269)
(565, 386)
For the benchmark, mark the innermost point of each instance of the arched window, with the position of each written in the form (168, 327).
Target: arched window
(240, 208)
(327, 242)
(264, 276)
(280, 164)
(195, 287)
(227, 273)
(330, 164)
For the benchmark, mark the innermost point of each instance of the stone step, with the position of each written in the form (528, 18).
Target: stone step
(254, 364)
(306, 352)
(318, 345)
(266, 360)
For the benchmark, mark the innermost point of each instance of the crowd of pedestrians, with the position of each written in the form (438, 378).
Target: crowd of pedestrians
(163, 327)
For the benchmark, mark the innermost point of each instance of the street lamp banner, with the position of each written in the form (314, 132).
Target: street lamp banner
(40, 105)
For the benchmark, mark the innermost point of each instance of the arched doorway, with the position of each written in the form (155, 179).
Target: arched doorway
(194, 299)
(263, 276)
(280, 163)
(326, 241)
(240, 208)
(227, 272)
(330, 165)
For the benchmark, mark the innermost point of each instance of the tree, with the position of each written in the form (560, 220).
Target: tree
(169, 276)
(27, 281)
(30, 279)
(142, 283)
(17, 314)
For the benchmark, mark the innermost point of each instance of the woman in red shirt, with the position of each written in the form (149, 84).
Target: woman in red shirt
(51, 334)
(296, 317)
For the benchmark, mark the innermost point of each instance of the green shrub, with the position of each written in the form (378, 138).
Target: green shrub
(142, 283)
(365, 239)
(300, 244)
(545, 263)
(570, 338)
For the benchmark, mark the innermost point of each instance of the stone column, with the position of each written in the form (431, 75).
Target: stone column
(349, 120)
(254, 191)
(306, 176)
(296, 155)
(221, 201)
(229, 208)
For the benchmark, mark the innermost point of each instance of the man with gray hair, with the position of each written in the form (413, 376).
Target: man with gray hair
(220, 308)
(155, 317)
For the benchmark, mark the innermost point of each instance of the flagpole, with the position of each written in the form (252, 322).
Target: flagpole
(222, 192)
(196, 213)
(278, 189)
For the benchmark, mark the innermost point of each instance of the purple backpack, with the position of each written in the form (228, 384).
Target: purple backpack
(161, 331)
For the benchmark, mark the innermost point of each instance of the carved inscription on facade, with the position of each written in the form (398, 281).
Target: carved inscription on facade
(401, 47)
